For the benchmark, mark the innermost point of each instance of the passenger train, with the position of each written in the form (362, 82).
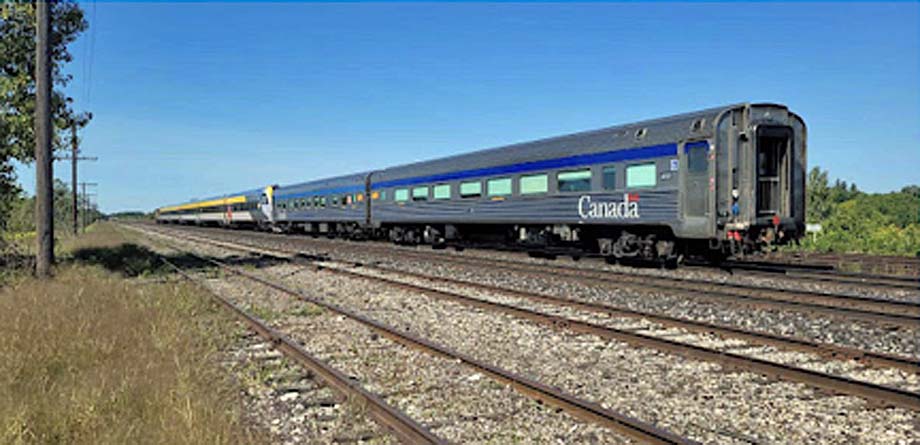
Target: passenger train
(720, 182)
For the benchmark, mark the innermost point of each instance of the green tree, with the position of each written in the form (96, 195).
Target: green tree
(913, 190)
(821, 197)
(21, 217)
(853, 221)
(17, 86)
(817, 196)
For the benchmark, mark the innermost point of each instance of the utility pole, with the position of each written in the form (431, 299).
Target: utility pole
(44, 210)
(86, 203)
(74, 157)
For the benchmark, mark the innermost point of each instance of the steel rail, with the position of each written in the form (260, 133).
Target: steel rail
(868, 280)
(579, 408)
(406, 429)
(880, 394)
(813, 273)
(826, 350)
(899, 314)
(905, 266)
(822, 349)
(900, 309)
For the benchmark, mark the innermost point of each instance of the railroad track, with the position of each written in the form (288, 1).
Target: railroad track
(870, 264)
(816, 273)
(579, 408)
(877, 393)
(395, 421)
(872, 310)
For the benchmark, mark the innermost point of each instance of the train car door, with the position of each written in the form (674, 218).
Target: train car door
(266, 204)
(696, 183)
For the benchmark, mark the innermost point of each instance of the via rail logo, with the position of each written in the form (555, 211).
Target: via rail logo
(628, 208)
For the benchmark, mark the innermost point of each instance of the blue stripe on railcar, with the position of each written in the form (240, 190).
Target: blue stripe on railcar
(323, 192)
(691, 145)
(633, 154)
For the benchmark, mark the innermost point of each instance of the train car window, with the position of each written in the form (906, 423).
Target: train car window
(383, 195)
(610, 177)
(401, 195)
(499, 187)
(641, 175)
(442, 191)
(696, 159)
(574, 181)
(322, 201)
(534, 184)
(420, 193)
(470, 189)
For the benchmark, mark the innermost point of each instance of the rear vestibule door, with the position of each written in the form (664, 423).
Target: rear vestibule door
(695, 168)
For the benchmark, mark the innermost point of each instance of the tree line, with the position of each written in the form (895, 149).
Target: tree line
(22, 211)
(17, 102)
(857, 222)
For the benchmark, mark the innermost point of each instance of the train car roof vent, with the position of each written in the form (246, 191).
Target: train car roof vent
(641, 133)
(697, 125)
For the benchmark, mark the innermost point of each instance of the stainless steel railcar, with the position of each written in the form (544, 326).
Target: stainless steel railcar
(233, 210)
(726, 180)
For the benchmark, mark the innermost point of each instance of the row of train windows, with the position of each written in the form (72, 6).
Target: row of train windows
(320, 201)
(239, 207)
(637, 176)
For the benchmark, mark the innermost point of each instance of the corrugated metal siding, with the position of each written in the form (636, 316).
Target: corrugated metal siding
(655, 206)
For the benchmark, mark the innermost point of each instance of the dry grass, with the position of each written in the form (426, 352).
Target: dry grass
(90, 358)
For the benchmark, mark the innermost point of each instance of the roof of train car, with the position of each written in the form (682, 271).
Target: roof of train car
(213, 200)
(658, 131)
(337, 184)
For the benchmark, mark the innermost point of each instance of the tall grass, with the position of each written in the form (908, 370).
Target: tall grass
(90, 358)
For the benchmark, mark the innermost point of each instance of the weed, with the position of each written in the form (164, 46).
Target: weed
(88, 358)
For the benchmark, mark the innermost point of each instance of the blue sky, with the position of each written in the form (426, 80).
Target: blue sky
(198, 99)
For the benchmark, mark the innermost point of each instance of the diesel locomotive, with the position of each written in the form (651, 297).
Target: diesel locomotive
(719, 182)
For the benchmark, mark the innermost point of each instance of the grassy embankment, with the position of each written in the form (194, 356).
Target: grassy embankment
(94, 357)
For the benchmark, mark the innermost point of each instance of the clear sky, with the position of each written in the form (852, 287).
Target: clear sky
(199, 99)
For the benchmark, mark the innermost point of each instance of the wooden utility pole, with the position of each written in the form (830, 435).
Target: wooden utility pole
(86, 203)
(44, 206)
(74, 158)
(75, 147)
